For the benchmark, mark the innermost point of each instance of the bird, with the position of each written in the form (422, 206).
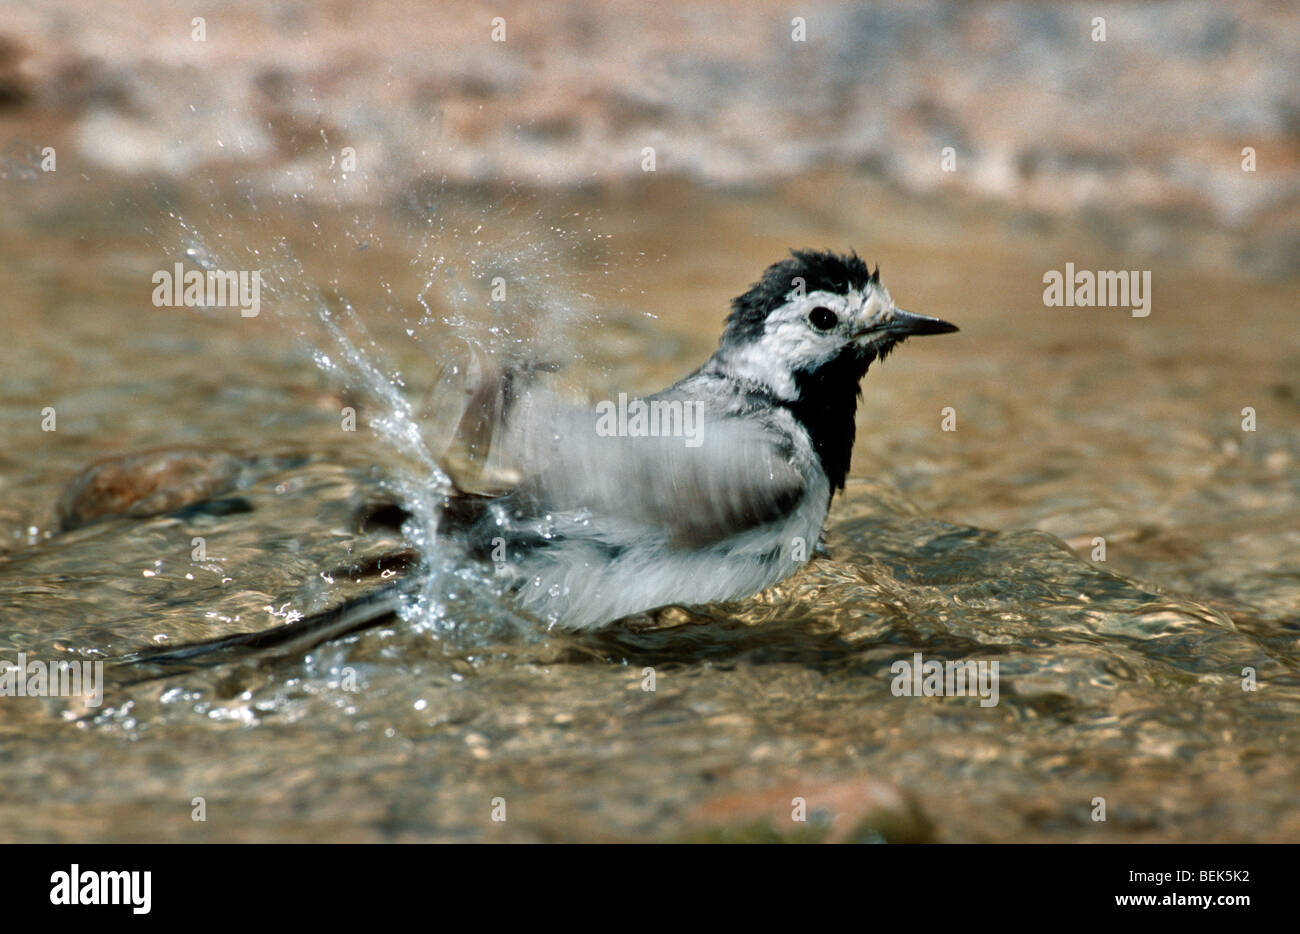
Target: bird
(711, 490)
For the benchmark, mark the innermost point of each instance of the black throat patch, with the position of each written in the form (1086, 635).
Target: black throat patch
(827, 404)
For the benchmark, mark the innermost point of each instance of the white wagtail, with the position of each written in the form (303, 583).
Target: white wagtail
(710, 490)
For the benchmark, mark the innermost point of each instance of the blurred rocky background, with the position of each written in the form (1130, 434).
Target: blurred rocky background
(1140, 136)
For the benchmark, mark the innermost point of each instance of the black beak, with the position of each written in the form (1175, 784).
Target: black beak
(907, 324)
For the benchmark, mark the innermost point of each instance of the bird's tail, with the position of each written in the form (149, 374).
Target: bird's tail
(369, 610)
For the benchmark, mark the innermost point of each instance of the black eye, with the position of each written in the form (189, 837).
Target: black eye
(823, 319)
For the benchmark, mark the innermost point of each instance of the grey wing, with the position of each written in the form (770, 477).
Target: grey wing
(736, 474)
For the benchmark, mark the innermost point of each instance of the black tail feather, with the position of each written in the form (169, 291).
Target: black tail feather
(364, 612)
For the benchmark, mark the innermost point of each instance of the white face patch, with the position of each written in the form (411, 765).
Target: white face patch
(793, 341)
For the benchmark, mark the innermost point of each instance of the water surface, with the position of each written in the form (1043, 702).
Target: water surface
(1120, 678)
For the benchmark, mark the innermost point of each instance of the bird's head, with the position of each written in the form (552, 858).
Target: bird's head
(816, 318)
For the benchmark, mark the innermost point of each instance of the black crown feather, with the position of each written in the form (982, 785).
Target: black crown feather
(821, 271)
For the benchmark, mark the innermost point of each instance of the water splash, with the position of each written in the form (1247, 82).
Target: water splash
(459, 249)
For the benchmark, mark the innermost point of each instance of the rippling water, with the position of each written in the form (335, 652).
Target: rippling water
(1120, 675)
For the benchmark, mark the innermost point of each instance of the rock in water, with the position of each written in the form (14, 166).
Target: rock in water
(147, 483)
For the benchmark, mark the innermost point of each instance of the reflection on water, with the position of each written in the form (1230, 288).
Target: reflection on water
(1121, 674)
